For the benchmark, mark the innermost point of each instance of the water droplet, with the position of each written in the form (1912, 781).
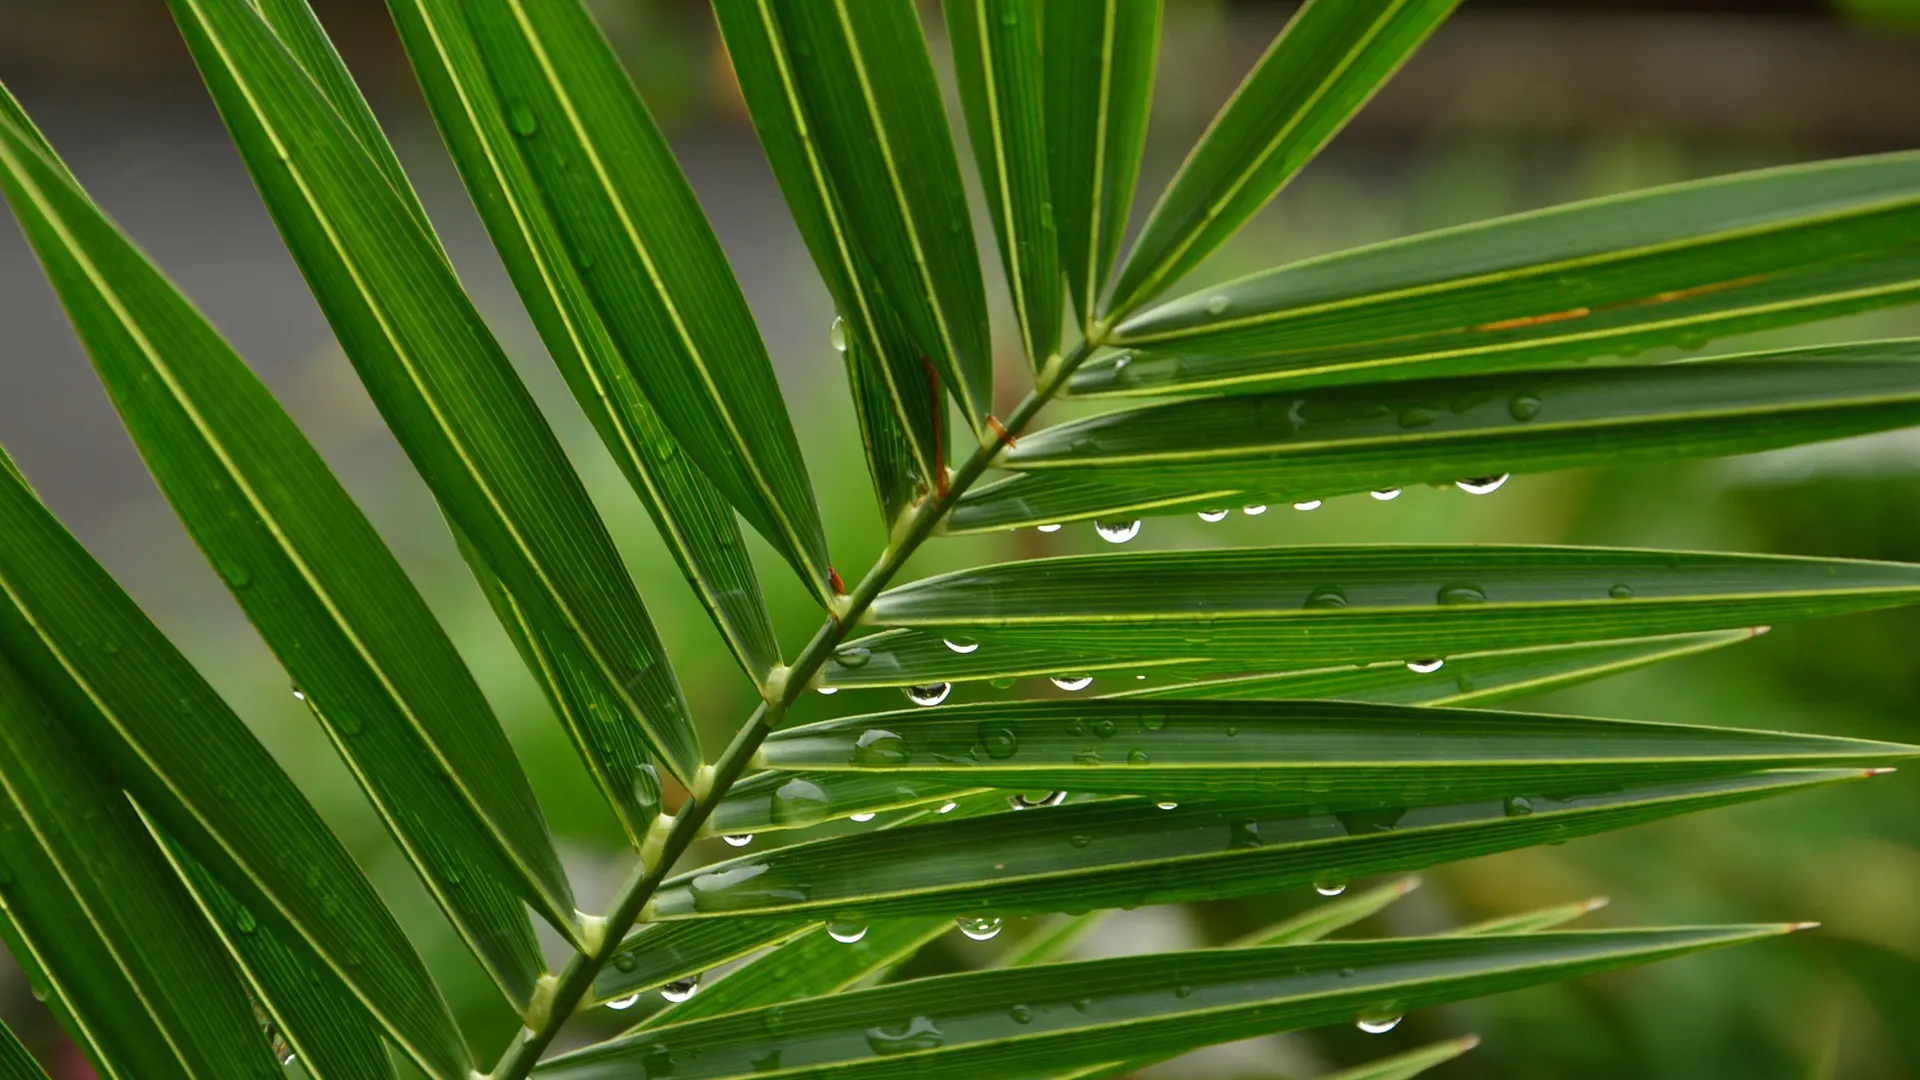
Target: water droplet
(1117, 532)
(846, 933)
(1054, 527)
(1183, 991)
(1481, 485)
(625, 962)
(1137, 756)
(620, 1003)
(837, 334)
(862, 817)
(243, 921)
(1386, 494)
(918, 1034)
(1003, 682)
(1328, 885)
(829, 690)
(299, 694)
(1071, 682)
(1523, 407)
(1310, 504)
(766, 1062)
(1166, 805)
(1415, 416)
(681, 989)
(1377, 1023)
(521, 118)
(1621, 592)
(963, 646)
(1425, 667)
(880, 747)
(948, 809)
(738, 839)
(1022, 801)
(1213, 515)
(1079, 840)
(979, 927)
(1253, 511)
(799, 802)
(111, 648)
(1001, 743)
(1692, 341)
(1021, 1014)
(1327, 596)
(237, 575)
(852, 656)
(1217, 305)
(1456, 593)
(1243, 834)
(928, 693)
(1518, 806)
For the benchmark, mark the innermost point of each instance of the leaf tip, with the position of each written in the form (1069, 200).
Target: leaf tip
(1796, 927)
(1594, 903)
(1879, 770)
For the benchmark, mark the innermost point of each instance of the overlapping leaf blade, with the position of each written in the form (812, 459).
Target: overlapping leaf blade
(149, 991)
(15, 1062)
(860, 71)
(1097, 80)
(451, 398)
(1325, 64)
(1307, 606)
(309, 570)
(1027, 1021)
(1527, 922)
(775, 801)
(127, 693)
(1126, 852)
(1674, 265)
(1291, 447)
(649, 261)
(996, 57)
(659, 954)
(693, 518)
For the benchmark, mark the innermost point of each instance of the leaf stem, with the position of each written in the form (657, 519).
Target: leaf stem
(577, 977)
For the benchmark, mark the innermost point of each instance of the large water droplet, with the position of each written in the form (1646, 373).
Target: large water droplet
(837, 334)
(1053, 527)
(1243, 834)
(1425, 667)
(829, 690)
(520, 117)
(1310, 504)
(1518, 806)
(738, 839)
(1375, 1022)
(1327, 596)
(681, 989)
(1166, 805)
(979, 927)
(1021, 1014)
(918, 1034)
(620, 1003)
(880, 747)
(1217, 305)
(1137, 756)
(852, 656)
(948, 808)
(1621, 592)
(799, 802)
(1211, 516)
(928, 693)
(1523, 407)
(1481, 485)
(1001, 682)
(1255, 510)
(625, 962)
(961, 645)
(1329, 885)
(237, 575)
(845, 932)
(862, 817)
(1001, 742)
(1023, 801)
(1117, 532)
(1386, 494)
(1455, 593)
(1071, 682)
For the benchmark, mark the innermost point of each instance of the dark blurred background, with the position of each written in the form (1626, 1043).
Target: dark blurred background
(1512, 105)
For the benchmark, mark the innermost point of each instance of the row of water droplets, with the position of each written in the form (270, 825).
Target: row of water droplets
(1115, 531)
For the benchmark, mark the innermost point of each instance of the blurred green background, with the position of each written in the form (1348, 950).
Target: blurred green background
(1513, 105)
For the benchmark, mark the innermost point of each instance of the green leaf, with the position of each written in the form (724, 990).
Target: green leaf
(1410, 1064)
(1320, 920)
(124, 691)
(1052, 941)
(1339, 754)
(647, 258)
(996, 57)
(143, 985)
(1026, 1021)
(323, 590)
(888, 371)
(1292, 447)
(812, 964)
(1327, 62)
(658, 954)
(861, 77)
(1304, 606)
(773, 801)
(311, 1009)
(15, 1062)
(1527, 922)
(1098, 84)
(451, 398)
(1674, 265)
(1127, 852)
(692, 516)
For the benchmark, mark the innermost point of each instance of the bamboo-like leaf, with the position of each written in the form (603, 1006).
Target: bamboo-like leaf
(888, 372)
(1127, 852)
(774, 801)
(1028, 1021)
(1307, 606)
(645, 255)
(311, 574)
(1674, 265)
(1324, 65)
(1051, 942)
(694, 519)
(659, 954)
(451, 398)
(148, 992)
(996, 56)
(1338, 754)
(140, 708)
(1410, 1064)
(843, 93)
(1527, 922)
(1321, 920)
(1291, 447)
(1098, 82)
(312, 1010)
(15, 1062)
